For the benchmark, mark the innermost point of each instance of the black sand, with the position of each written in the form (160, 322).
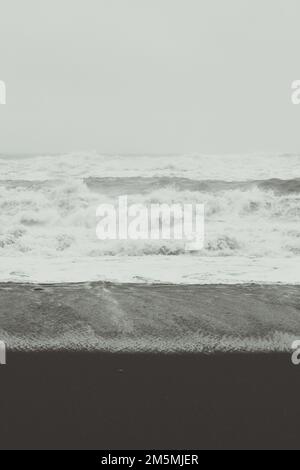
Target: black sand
(95, 398)
(110, 401)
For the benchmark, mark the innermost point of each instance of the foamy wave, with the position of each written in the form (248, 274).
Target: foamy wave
(59, 220)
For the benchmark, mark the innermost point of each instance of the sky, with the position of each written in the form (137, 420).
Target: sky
(149, 76)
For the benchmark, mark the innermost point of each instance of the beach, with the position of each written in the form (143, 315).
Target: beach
(148, 401)
(137, 344)
(108, 317)
(149, 227)
(122, 366)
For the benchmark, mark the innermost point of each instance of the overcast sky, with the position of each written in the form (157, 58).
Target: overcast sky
(149, 76)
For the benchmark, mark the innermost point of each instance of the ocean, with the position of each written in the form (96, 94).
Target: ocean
(48, 218)
(105, 338)
(61, 288)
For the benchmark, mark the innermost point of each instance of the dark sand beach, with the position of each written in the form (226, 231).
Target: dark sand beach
(147, 401)
(149, 225)
(123, 381)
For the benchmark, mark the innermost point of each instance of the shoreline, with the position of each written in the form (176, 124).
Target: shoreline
(184, 269)
(160, 318)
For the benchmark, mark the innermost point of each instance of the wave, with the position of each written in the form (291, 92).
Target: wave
(56, 218)
(115, 186)
(197, 167)
(131, 185)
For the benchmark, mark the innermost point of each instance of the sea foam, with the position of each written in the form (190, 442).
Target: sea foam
(48, 206)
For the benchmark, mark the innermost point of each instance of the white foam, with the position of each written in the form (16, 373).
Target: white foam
(60, 221)
(47, 231)
(151, 269)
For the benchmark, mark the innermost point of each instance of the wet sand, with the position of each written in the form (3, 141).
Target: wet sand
(149, 318)
(106, 366)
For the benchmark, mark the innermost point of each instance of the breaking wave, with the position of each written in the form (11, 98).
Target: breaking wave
(56, 218)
